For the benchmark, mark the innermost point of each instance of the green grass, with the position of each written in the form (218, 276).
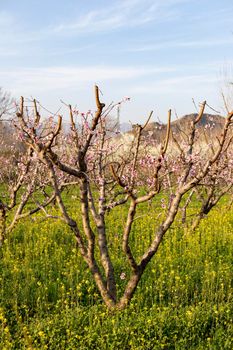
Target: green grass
(48, 299)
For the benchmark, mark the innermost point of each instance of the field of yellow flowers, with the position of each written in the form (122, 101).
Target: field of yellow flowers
(48, 299)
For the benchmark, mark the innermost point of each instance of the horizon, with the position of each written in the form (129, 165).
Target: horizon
(162, 54)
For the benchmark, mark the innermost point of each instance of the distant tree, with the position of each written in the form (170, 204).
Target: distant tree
(6, 105)
(9, 142)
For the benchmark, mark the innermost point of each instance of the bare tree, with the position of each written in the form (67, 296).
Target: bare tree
(86, 157)
(6, 104)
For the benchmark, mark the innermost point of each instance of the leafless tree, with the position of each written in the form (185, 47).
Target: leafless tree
(6, 104)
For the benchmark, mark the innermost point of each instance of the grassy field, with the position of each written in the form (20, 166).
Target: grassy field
(184, 301)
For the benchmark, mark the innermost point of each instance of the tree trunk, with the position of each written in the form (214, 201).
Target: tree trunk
(2, 223)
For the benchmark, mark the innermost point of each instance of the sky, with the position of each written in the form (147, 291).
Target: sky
(161, 53)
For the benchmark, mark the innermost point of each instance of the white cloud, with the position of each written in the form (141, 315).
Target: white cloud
(186, 84)
(183, 44)
(54, 78)
(127, 13)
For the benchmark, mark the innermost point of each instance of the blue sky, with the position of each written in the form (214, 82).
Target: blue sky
(161, 53)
